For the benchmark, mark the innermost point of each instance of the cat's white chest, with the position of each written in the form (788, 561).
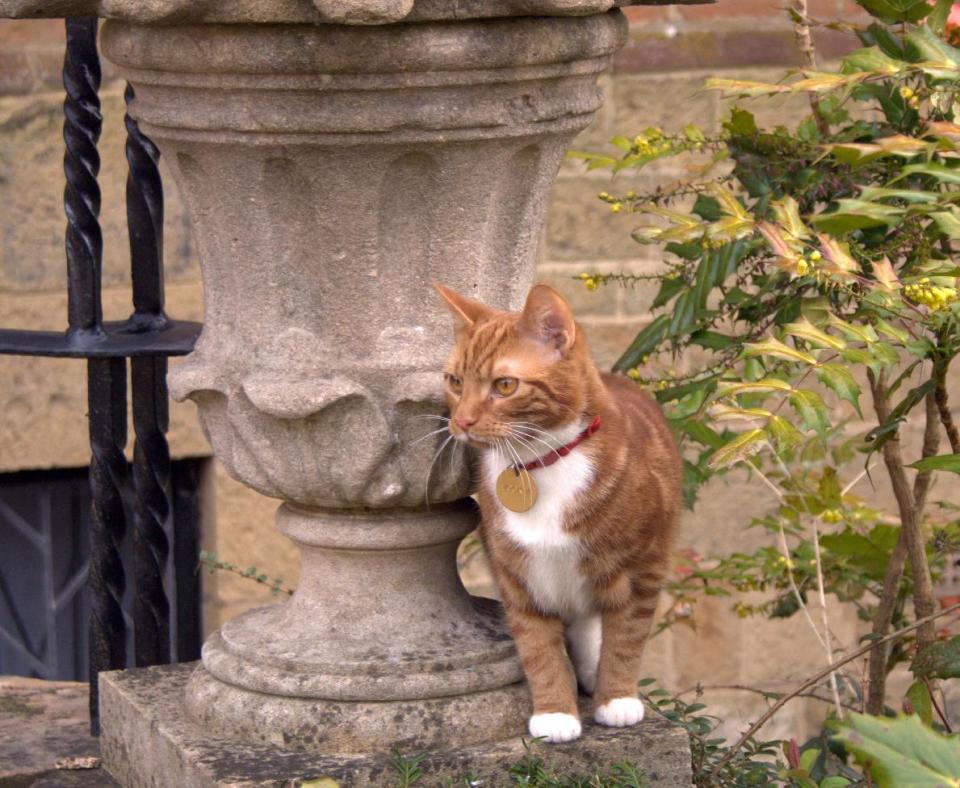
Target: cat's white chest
(553, 555)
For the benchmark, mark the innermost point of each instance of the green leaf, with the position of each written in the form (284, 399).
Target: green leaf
(784, 434)
(834, 781)
(701, 433)
(923, 46)
(937, 20)
(811, 409)
(885, 354)
(669, 287)
(863, 332)
(741, 123)
(882, 433)
(838, 379)
(644, 342)
(891, 11)
(947, 222)
(939, 661)
(740, 448)
(942, 462)
(707, 208)
(941, 172)
(806, 330)
(857, 215)
(873, 193)
(902, 751)
(899, 334)
(776, 348)
(919, 697)
(764, 386)
(872, 59)
(711, 340)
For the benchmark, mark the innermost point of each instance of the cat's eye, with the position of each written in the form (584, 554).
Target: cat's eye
(505, 386)
(455, 383)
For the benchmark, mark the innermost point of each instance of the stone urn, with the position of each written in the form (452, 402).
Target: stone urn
(337, 156)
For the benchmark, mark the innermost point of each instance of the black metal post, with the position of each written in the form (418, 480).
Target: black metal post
(106, 378)
(107, 395)
(81, 164)
(186, 548)
(151, 454)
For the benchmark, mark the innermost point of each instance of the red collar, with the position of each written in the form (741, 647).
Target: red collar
(551, 457)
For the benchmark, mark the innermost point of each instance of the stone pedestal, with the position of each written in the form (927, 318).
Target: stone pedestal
(148, 740)
(332, 172)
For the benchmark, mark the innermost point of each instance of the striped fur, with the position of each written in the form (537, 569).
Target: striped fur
(590, 557)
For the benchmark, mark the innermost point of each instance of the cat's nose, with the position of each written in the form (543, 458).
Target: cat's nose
(465, 424)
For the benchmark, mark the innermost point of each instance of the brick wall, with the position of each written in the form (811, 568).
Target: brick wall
(656, 80)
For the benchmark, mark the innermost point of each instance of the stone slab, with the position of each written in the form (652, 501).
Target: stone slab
(147, 741)
(45, 735)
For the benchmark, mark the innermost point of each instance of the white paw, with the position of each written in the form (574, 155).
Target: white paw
(619, 712)
(554, 727)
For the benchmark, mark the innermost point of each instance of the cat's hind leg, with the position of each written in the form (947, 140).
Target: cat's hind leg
(583, 644)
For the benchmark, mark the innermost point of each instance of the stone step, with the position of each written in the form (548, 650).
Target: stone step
(146, 734)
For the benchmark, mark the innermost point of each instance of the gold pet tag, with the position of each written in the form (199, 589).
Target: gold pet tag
(516, 489)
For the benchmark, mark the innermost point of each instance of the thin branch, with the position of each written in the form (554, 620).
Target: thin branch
(769, 694)
(924, 602)
(943, 406)
(931, 691)
(877, 691)
(820, 675)
(785, 551)
(825, 641)
(801, 32)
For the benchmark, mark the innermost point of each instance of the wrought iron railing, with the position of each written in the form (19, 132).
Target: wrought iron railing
(147, 338)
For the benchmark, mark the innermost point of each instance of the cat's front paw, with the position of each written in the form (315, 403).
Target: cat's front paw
(619, 712)
(555, 727)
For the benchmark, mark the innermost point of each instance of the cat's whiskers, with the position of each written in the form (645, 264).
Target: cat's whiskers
(433, 462)
(518, 432)
(525, 443)
(428, 435)
(519, 464)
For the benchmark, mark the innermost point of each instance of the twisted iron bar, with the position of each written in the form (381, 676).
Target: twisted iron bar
(145, 224)
(152, 511)
(106, 378)
(81, 164)
(151, 453)
(107, 395)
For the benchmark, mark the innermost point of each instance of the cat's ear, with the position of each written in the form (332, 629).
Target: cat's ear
(547, 319)
(466, 312)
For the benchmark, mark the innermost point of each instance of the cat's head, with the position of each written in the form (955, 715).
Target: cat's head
(510, 370)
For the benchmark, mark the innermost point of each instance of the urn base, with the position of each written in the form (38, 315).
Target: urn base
(149, 741)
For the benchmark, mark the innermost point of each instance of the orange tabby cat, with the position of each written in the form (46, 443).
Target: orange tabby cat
(580, 559)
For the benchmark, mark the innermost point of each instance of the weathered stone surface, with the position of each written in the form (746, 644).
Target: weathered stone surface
(407, 630)
(349, 12)
(44, 727)
(316, 262)
(148, 741)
